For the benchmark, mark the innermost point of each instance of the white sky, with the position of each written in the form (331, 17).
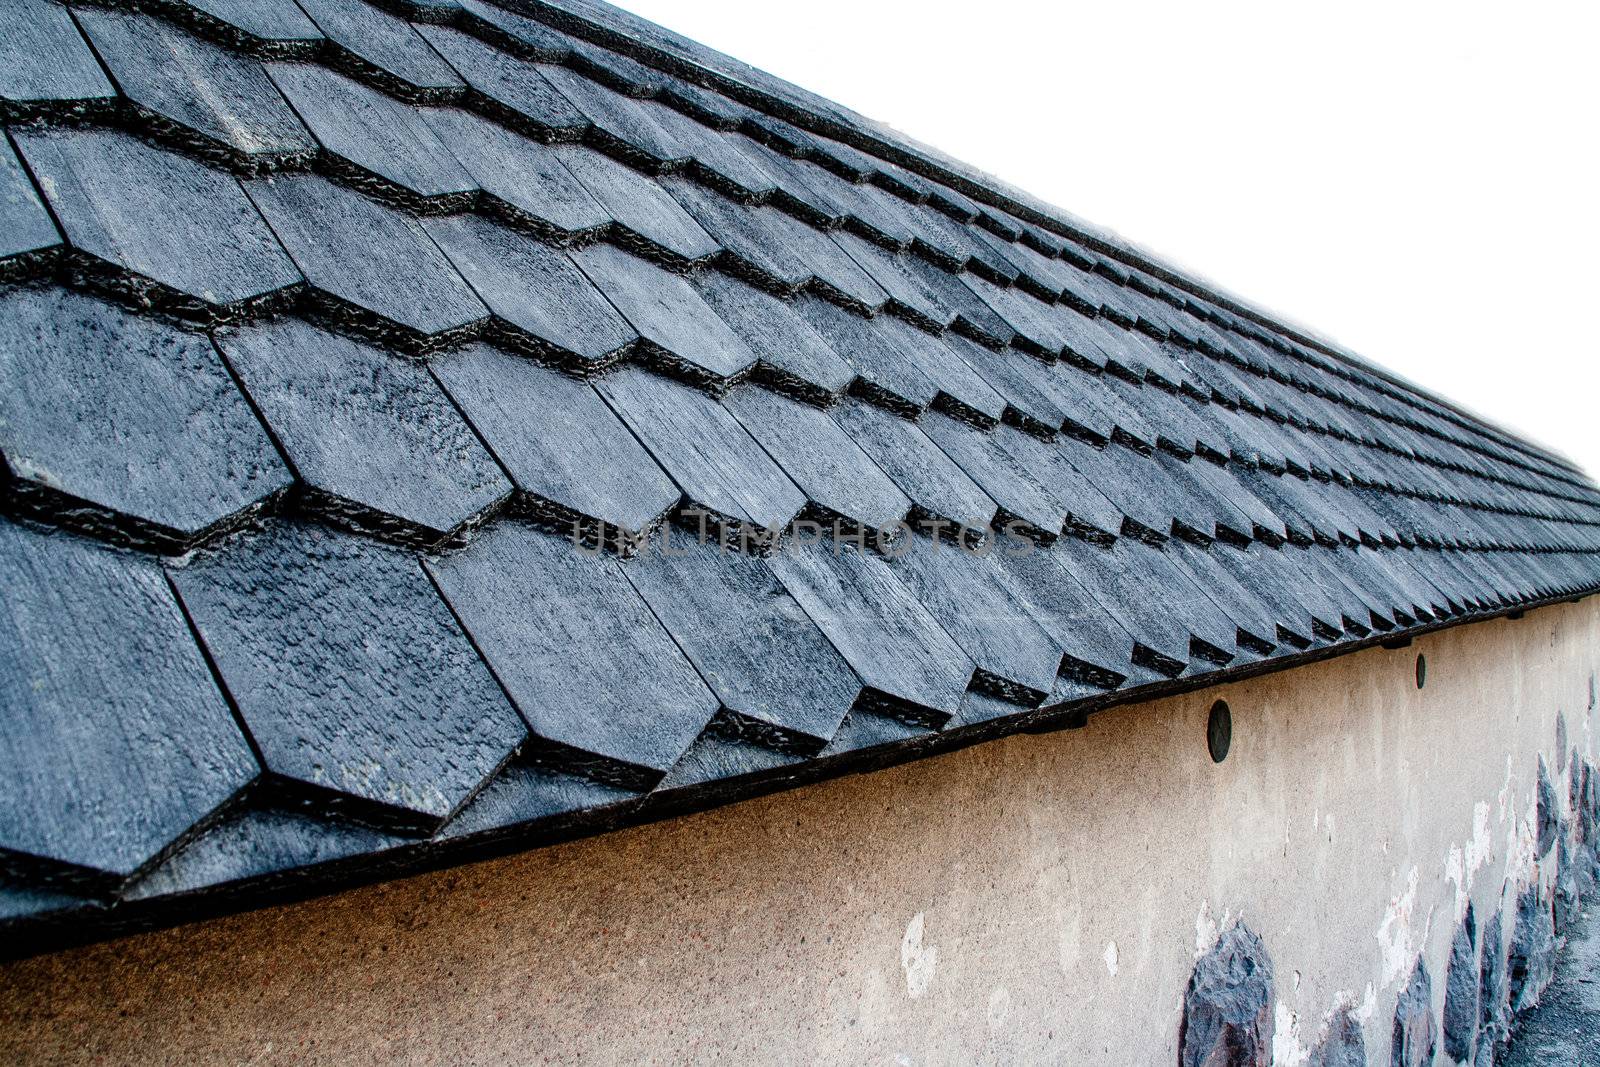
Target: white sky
(1416, 180)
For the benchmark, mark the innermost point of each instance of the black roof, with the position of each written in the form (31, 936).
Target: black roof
(433, 428)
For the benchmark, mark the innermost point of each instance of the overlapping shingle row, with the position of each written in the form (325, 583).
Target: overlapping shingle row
(425, 428)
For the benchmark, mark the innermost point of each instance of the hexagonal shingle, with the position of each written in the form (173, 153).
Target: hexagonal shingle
(524, 182)
(125, 425)
(28, 237)
(578, 650)
(542, 303)
(373, 437)
(373, 269)
(681, 331)
(156, 225)
(723, 472)
(374, 142)
(382, 48)
(45, 64)
(351, 674)
(273, 29)
(212, 100)
(117, 742)
(545, 429)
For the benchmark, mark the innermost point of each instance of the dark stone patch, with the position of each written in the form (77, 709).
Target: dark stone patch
(524, 183)
(372, 270)
(1575, 799)
(543, 304)
(545, 428)
(1561, 742)
(154, 227)
(360, 690)
(202, 97)
(46, 67)
(1533, 950)
(681, 333)
(117, 742)
(1461, 1009)
(1342, 1045)
(785, 686)
(375, 440)
(1415, 1037)
(1227, 1007)
(1548, 812)
(375, 143)
(1494, 990)
(1590, 807)
(378, 47)
(725, 475)
(124, 426)
(591, 669)
(1568, 901)
(911, 666)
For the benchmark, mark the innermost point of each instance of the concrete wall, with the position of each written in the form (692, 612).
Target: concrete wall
(1038, 899)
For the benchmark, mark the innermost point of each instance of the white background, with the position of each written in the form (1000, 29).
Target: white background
(1418, 181)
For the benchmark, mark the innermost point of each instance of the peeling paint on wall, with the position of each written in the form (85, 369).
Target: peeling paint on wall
(999, 1008)
(1394, 935)
(916, 959)
(1287, 1051)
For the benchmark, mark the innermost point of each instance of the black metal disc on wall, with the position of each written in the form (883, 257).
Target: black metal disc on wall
(1219, 731)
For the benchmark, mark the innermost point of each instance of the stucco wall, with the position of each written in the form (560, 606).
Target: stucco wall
(1038, 899)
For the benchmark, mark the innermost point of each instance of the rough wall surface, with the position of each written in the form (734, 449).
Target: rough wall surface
(1039, 899)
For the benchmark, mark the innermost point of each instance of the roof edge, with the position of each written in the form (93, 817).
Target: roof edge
(612, 27)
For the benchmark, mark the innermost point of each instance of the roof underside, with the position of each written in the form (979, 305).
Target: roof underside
(433, 428)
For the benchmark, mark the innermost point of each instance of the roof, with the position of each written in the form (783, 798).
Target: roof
(433, 428)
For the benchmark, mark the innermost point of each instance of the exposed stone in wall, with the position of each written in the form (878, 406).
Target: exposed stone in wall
(1533, 949)
(1227, 1009)
(1587, 808)
(1575, 793)
(1416, 1038)
(1342, 1045)
(1494, 993)
(1547, 812)
(1461, 991)
(1568, 893)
